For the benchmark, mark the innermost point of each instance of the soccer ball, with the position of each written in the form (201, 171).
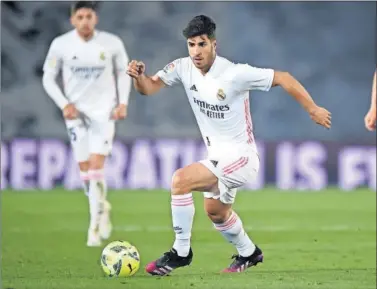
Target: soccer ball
(120, 259)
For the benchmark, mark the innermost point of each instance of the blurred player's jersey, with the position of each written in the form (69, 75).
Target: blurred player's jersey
(220, 99)
(88, 70)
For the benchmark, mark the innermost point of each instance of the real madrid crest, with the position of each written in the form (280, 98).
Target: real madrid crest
(102, 56)
(221, 94)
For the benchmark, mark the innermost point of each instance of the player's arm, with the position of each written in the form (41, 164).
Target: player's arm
(254, 78)
(149, 85)
(370, 118)
(374, 93)
(143, 84)
(123, 80)
(51, 69)
(294, 88)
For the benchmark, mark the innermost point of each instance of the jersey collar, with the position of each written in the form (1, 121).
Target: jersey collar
(79, 37)
(213, 69)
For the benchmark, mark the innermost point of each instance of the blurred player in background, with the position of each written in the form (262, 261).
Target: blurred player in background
(92, 64)
(370, 118)
(218, 92)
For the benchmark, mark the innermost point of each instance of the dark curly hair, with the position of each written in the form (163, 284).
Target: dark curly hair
(200, 25)
(83, 4)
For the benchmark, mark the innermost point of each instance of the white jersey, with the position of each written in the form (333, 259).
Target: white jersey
(220, 99)
(88, 69)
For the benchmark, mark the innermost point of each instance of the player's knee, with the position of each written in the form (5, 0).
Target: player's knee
(84, 166)
(217, 215)
(94, 166)
(216, 210)
(180, 183)
(96, 162)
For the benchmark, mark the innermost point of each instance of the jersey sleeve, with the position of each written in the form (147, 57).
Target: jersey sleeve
(53, 61)
(170, 73)
(254, 78)
(123, 80)
(51, 68)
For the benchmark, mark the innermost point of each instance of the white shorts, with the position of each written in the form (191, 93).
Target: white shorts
(233, 171)
(90, 137)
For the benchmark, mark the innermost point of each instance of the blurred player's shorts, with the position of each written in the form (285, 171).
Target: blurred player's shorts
(94, 137)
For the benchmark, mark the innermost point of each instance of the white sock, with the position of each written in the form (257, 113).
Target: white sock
(84, 176)
(183, 210)
(97, 195)
(233, 231)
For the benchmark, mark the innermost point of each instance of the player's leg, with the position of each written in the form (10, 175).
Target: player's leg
(230, 225)
(78, 135)
(218, 206)
(195, 177)
(84, 175)
(101, 137)
(97, 191)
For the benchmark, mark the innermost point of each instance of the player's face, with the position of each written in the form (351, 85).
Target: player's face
(202, 51)
(84, 20)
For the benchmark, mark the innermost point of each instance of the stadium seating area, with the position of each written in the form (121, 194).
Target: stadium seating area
(331, 53)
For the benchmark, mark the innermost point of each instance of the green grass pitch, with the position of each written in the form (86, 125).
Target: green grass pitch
(311, 240)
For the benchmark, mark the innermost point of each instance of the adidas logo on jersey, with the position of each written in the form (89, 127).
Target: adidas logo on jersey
(193, 88)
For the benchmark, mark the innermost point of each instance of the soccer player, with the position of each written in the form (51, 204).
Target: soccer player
(218, 92)
(370, 118)
(92, 64)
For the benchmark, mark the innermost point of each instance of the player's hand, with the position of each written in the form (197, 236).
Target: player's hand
(321, 116)
(70, 111)
(370, 119)
(120, 112)
(135, 69)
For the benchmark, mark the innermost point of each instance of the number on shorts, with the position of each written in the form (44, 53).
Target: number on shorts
(72, 134)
